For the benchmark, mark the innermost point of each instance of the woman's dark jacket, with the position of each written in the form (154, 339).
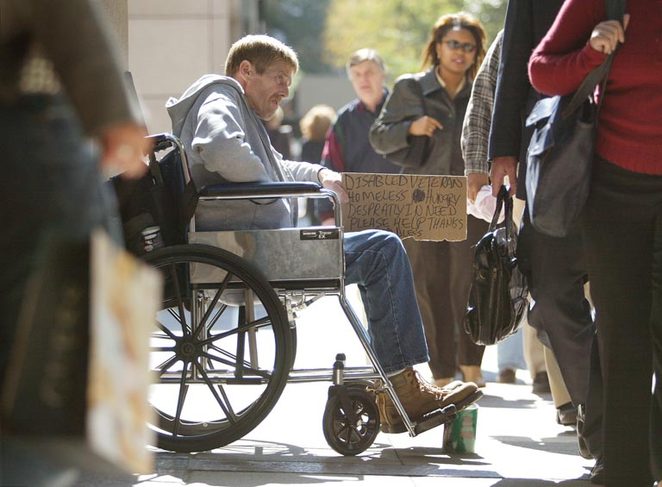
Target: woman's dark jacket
(404, 105)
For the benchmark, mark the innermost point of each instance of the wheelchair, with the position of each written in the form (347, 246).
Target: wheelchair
(224, 343)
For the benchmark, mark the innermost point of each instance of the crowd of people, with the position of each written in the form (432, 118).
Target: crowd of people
(589, 347)
(601, 347)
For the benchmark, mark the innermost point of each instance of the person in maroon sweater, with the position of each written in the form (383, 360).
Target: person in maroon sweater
(622, 220)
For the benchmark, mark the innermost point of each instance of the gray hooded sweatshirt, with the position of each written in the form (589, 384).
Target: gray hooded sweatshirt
(225, 141)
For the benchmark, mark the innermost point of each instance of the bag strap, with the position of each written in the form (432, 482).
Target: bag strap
(614, 10)
(504, 200)
(497, 211)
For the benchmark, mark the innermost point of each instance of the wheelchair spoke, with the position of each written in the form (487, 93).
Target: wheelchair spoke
(180, 319)
(211, 306)
(257, 324)
(224, 402)
(162, 327)
(180, 299)
(245, 366)
(346, 431)
(221, 309)
(227, 354)
(157, 336)
(164, 366)
(162, 349)
(183, 389)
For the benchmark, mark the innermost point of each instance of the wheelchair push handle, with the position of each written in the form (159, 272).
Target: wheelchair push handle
(250, 191)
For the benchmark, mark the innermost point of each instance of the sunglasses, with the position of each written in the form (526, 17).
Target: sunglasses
(465, 46)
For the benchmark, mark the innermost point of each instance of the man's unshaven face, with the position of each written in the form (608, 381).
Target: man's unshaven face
(265, 91)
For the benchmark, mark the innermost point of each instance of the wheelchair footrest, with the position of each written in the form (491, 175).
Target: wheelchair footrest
(436, 418)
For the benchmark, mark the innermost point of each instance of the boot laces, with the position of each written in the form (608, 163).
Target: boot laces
(426, 387)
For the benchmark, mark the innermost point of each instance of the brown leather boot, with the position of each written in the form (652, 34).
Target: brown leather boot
(419, 397)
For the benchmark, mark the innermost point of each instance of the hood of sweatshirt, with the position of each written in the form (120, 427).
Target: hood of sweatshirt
(178, 108)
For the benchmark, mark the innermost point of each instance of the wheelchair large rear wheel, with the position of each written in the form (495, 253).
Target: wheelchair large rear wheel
(221, 351)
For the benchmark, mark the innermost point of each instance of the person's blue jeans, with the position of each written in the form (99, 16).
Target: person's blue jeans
(510, 352)
(376, 260)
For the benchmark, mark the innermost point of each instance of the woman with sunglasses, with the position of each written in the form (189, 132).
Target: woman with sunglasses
(432, 104)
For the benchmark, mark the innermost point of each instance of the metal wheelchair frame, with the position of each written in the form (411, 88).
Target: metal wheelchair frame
(351, 420)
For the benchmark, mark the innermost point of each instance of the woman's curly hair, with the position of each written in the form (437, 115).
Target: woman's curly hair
(445, 24)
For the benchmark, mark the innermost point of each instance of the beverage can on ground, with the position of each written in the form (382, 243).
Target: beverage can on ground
(460, 434)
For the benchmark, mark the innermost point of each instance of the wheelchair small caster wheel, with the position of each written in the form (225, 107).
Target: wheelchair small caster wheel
(351, 419)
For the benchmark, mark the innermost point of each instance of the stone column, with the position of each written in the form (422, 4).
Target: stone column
(118, 18)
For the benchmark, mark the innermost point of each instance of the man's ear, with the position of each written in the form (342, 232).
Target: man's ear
(245, 70)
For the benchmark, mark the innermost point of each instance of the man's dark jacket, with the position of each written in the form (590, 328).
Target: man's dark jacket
(527, 22)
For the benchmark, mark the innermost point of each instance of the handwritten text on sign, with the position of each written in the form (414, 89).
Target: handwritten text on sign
(422, 207)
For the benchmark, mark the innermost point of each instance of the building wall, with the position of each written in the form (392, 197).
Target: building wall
(172, 43)
(117, 16)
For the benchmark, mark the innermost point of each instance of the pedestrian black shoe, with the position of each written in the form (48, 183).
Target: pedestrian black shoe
(507, 376)
(598, 472)
(566, 415)
(541, 383)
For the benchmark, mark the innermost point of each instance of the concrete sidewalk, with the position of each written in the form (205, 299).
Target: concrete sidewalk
(518, 441)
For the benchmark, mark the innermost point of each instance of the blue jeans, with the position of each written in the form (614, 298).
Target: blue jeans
(377, 262)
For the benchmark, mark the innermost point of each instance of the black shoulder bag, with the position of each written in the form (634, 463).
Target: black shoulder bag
(498, 294)
(561, 149)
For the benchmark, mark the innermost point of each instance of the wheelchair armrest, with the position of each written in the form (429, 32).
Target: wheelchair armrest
(259, 190)
(252, 191)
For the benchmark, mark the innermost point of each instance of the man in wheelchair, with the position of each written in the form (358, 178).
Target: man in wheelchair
(218, 119)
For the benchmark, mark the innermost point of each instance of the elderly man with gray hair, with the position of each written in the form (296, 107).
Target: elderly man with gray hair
(347, 147)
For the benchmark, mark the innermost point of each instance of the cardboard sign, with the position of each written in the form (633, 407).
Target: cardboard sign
(422, 207)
